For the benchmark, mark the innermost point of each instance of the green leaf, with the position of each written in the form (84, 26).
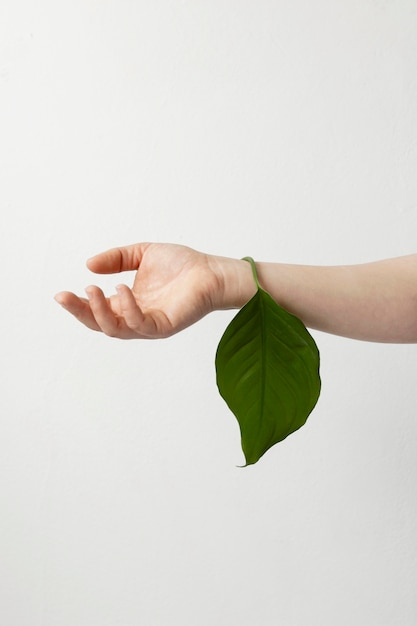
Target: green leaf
(267, 369)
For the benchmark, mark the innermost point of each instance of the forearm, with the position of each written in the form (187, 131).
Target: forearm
(373, 302)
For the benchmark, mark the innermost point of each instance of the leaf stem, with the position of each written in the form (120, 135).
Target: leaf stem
(254, 272)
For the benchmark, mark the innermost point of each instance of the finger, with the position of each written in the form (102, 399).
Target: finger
(104, 317)
(117, 259)
(78, 307)
(133, 316)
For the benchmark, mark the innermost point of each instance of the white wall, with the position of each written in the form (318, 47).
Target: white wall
(286, 130)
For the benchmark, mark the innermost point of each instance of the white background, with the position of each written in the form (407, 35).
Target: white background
(285, 130)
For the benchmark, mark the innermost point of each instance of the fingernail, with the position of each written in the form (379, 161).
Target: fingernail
(89, 293)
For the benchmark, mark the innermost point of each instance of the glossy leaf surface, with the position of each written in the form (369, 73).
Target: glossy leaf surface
(267, 369)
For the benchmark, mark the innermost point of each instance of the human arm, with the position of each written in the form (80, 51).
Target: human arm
(374, 301)
(176, 286)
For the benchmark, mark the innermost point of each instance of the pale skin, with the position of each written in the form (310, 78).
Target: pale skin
(175, 286)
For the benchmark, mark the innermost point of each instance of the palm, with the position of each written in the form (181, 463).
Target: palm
(171, 289)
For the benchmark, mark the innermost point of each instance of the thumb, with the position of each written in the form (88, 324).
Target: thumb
(117, 260)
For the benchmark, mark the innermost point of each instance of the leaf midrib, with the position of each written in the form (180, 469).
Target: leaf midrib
(263, 348)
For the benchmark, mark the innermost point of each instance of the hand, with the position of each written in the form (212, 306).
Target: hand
(174, 287)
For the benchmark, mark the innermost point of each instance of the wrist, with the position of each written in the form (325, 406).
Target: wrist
(236, 285)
